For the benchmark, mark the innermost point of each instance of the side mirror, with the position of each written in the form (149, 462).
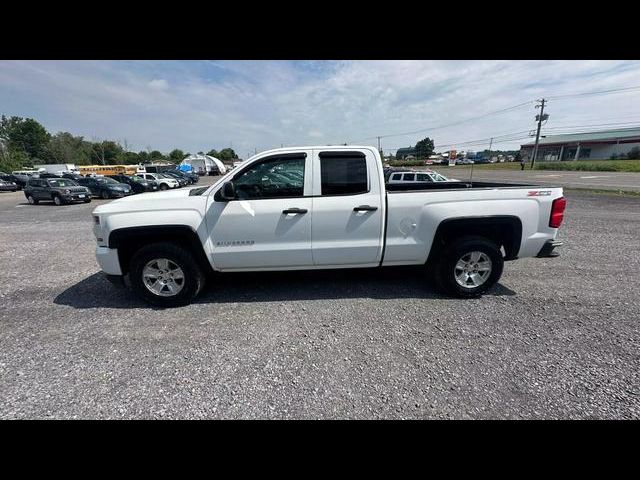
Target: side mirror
(228, 191)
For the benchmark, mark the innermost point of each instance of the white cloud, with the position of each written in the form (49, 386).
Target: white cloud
(261, 104)
(159, 84)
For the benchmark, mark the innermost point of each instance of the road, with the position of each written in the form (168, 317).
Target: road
(593, 180)
(556, 338)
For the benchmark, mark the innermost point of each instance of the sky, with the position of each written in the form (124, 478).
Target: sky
(258, 105)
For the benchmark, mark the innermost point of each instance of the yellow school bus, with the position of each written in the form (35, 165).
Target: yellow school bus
(107, 169)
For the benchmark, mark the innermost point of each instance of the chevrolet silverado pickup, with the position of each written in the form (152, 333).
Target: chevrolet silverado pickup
(322, 207)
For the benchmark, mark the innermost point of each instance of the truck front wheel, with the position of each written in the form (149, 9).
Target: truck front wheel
(469, 267)
(165, 274)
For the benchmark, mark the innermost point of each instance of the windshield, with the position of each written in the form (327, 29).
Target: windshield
(107, 180)
(63, 182)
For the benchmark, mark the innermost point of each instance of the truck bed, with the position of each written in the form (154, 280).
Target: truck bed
(407, 187)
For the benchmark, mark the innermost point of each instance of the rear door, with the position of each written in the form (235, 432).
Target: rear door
(36, 189)
(347, 221)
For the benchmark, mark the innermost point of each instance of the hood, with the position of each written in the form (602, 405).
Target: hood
(160, 200)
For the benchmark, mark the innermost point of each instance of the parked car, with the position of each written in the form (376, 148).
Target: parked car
(8, 186)
(387, 171)
(191, 177)
(11, 178)
(164, 182)
(105, 187)
(59, 190)
(47, 175)
(72, 176)
(257, 219)
(418, 177)
(137, 184)
(182, 181)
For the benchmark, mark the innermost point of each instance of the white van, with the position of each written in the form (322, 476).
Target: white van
(418, 177)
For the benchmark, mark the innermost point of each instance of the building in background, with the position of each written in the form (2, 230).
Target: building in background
(601, 145)
(403, 153)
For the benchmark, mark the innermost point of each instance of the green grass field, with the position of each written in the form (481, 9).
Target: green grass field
(592, 166)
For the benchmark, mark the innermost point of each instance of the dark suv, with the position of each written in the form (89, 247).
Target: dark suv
(11, 178)
(137, 184)
(59, 190)
(105, 187)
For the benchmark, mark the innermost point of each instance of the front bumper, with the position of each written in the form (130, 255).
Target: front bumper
(548, 249)
(77, 197)
(108, 260)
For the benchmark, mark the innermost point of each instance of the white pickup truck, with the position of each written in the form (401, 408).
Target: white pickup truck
(322, 207)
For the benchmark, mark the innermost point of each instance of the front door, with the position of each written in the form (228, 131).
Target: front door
(268, 225)
(347, 209)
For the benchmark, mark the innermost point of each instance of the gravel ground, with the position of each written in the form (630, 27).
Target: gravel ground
(557, 338)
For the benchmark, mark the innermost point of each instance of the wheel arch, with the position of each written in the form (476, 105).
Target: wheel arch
(504, 230)
(129, 240)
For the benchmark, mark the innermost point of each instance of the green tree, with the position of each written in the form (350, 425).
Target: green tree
(24, 135)
(10, 160)
(106, 152)
(63, 147)
(143, 157)
(156, 155)
(634, 153)
(128, 158)
(213, 153)
(424, 148)
(176, 155)
(227, 155)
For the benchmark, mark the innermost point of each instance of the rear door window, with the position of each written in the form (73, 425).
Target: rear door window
(397, 176)
(343, 173)
(409, 177)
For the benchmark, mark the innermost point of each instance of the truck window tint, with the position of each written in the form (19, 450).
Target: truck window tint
(276, 178)
(343, 175)
(396, 176)
(423, 177)
(409, 177)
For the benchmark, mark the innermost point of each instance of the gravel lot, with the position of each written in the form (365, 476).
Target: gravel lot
(557, 338)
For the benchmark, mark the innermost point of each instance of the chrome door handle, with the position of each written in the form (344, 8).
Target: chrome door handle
(365, 208)
(294, 210)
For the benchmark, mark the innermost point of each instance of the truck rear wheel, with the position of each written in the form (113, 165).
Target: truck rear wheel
(165, 275)
(469, 267)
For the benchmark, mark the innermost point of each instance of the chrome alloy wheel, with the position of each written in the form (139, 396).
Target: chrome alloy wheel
(472, 269)
(163, 277)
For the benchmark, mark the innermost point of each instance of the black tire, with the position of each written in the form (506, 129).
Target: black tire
(32, 200)
(87, 200)
(105, 195)
(58, 200)
(194, 279)
(445, 269)
(163, 186)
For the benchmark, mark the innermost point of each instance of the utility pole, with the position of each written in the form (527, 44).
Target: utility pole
(540, 119)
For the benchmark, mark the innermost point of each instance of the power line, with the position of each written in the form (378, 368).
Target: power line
(602, 92)
(449, 124)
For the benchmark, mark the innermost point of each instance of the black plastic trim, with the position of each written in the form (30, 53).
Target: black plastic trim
(548, 249)
(342, 154)
(513, 221)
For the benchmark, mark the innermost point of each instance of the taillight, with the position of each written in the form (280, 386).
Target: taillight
(557, 212)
